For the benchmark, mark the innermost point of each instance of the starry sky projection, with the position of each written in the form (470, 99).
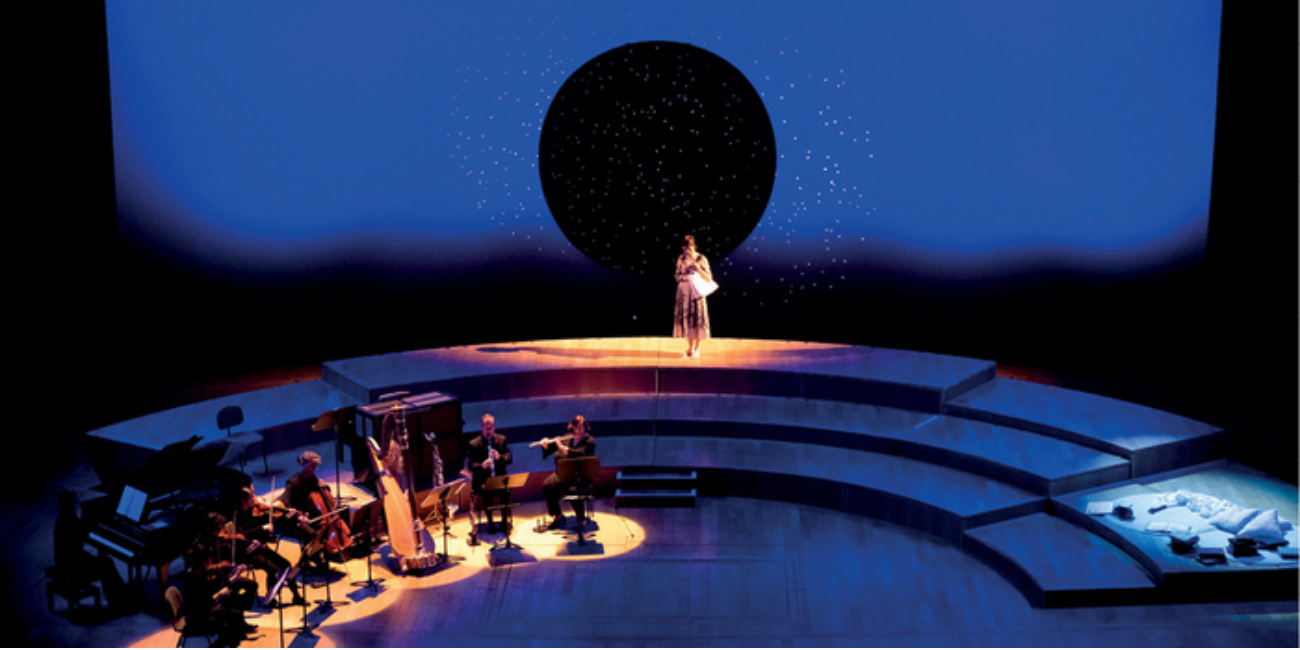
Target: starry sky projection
(939, 140)
(651, 141)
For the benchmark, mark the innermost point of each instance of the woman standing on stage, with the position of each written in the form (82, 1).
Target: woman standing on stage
(691, 313)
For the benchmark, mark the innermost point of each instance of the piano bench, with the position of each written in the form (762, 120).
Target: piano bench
(64, 586)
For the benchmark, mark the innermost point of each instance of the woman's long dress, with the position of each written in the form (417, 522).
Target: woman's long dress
(691, 313)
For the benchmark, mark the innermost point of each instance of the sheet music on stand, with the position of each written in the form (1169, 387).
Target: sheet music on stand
(444, 493)
(132, 504)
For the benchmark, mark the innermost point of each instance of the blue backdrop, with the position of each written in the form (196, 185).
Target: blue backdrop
(931, 140)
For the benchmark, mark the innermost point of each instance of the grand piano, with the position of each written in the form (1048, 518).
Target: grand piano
(149, 516)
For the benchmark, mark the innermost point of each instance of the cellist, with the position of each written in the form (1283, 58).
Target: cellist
(305, 493)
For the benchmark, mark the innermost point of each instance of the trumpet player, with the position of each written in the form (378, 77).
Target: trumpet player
(488, 456)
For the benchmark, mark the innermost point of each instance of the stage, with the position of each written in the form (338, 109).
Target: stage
(815, 468)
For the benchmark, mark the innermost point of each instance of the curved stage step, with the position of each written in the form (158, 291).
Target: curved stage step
(1037, 463)
(476, 373)
(1058, 564)
(934, 443)
(1155, 441)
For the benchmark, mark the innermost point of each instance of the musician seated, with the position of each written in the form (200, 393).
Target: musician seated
(214, 589)
(577, 443)
(305, 493)
(254, 536)
(73, 560)
(488, 456)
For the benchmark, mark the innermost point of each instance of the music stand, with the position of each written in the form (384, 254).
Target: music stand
(505, 484)
(331, 420)
(317, 545)
(277, 593)
(442, 495)
(370, 581)
(581, 473)
(308, 549)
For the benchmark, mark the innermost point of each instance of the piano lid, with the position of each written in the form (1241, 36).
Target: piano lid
(178, 459)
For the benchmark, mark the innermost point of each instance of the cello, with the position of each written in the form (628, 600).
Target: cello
(338, 535)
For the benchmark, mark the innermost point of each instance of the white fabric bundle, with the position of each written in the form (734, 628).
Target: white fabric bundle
(701, 287)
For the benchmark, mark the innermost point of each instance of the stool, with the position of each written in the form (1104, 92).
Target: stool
(63, 585)
(581, 473)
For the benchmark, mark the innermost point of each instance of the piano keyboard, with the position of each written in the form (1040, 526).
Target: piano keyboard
(98, 540)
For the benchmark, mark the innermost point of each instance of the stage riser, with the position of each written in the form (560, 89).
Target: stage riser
(1152, 440)
(857, 500)
(1177, 589)
(862, 441)
(1238, 586)
(524, 385)
(1017, 575)
(1090, 524)
(1156, 460)
(752, 431)
(1058, 564)
(912, 380)
(805, 386)
(1143, 462)
(1010, 570)
(629, 452)
(720, 472)
(549, 383)
(1036, 427)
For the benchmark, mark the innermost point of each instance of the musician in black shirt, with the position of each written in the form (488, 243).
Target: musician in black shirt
(299, 488)
(487, 456)
(577, 443)
(214, 589)
(296, 495)
(253, 517)
(305, 493)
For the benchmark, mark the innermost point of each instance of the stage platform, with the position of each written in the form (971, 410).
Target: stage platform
(935, 443)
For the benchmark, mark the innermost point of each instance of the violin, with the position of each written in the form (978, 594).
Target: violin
(223, 568)
(261, 508)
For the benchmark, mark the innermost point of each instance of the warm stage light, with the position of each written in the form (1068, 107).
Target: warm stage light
(607, 535)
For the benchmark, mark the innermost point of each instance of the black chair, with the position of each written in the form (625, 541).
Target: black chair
(72, 589)
(231, 417)
(187, 628)
(506, 484)
(581, 473)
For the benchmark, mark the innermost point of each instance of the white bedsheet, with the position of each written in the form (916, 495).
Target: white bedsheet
(1192, 512)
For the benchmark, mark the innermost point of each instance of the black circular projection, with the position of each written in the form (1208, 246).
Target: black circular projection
(651, 141)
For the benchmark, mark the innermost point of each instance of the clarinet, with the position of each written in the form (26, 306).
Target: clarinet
(438, 478)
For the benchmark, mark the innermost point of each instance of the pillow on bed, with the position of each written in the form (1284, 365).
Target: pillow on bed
(1265, 528)
(1234, 518)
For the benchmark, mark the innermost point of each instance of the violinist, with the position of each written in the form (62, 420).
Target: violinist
(305, 493)
(213, 587)
(253, 535)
